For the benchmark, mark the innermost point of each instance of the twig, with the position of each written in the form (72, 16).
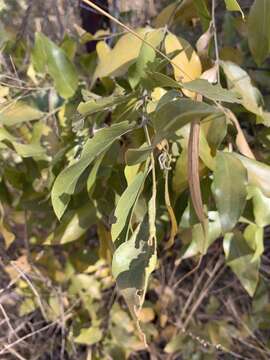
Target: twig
(215, 39)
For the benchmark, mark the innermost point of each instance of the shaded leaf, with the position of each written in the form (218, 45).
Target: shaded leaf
(259, 30)
(176, 113)
(126, 203)
(89, 336)
(229, 189)
(104, 103)
(66, 181)
(73, 226)
(239, 258)
(132, 264)
(137, 156)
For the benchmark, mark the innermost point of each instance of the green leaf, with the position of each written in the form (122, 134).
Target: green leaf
(48, 56)
(132, 264)
(258, 173)
(126, 203)
(89, 336)
(254, 237)
(261, 206)
(147, 55)
(180, 176)
(104, 103)
(232, 5)
(66, 181)
(239, 258)
(73, 226)
(229, 189)
(18, 113)
(162, 80)
(212, 92)
(240, 82)
(259, 30)
(137, 156)
(93, 173)
(176, 113)
(198, 245)
(203, 13)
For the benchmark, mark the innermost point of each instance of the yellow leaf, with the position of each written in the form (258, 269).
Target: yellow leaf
(187, 63)
(114, 62)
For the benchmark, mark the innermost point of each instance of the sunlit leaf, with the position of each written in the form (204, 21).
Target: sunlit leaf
(146, 55)
(229, 189)
(240, 82)
(258, 173)
(212, 92)
(186, 65)
(116, 61)
(254, 236)
(261, 206)
(49, 57)
(17, 113)
(232, 5)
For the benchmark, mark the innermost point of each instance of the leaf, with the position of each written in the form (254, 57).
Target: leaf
(188, 63)
(30, 150)
(47, 55)
(199, 242)
(180, 177)
(229, 189)
(73, 226)
(137, 156)
(66, 181)
(232, 5)
(258, 173)
(239, 259)
(89, 336)
(176, 113)
(261, 206)
(259, 30)
(132, 264)
(203, 13)
(104, 103)
(239, 82)
(116, 61)
(212, 92)
(126, 203)
(93, 173)
(162, 80)
(254, 236)
(18, 112)
(146, 56)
